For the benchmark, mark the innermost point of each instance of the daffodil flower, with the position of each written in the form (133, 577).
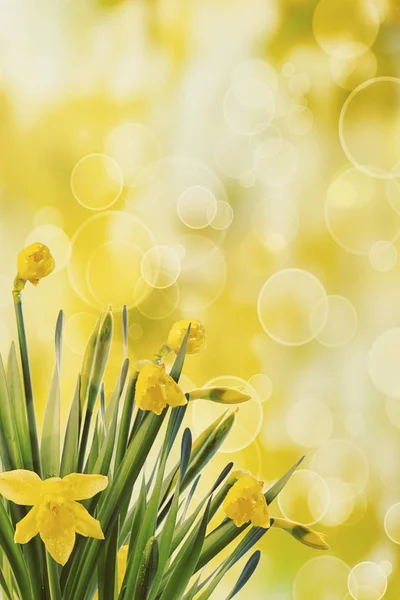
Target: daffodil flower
(196, 338)
(155, 389)
(245, 502)
(56, 514)
(34, 263)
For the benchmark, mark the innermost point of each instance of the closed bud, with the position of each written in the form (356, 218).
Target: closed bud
(196, 338)
(34, 263)
(303, 534)
(220, 394)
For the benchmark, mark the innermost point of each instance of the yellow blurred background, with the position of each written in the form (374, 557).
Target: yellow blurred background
(235, 161)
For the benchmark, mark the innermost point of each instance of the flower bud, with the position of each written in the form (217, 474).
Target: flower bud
(34, 263)
(195, 340)
(303, 534)
(220, 394)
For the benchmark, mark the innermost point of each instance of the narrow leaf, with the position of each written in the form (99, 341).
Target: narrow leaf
(17, 399)
(69, 461)
(50, 443)
(245, 575)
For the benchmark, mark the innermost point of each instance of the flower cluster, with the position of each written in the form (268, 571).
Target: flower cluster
(153, 547)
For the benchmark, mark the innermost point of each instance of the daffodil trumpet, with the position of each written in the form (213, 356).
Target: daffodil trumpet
(132, 537)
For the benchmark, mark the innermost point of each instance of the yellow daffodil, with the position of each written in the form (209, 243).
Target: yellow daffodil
(34, 263)
(122, 558)
(55, 515)
(221, 395)
(245, 502)
(196, 339)
(303, 534)
(155, 389)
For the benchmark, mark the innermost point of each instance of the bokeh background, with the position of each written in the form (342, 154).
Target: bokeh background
(235, 161)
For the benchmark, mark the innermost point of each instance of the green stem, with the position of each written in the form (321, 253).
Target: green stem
(26, 371)
(54, 578)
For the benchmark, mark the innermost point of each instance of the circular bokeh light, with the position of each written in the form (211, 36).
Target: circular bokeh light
(263, 386)
(383, 364)
(156, 303)
(96, 181)
(160, 266)
(358, 214)
(368, 126)
(248, 419)
(309, 423)
(285, 305)
(392, 523)
(346, 28)
(135, 149)
(280, 168)
(197, 207)
(305, 498)
(340, 324)
(321, 574)
(121, 236)
(367, 581)
(383, 256)
(249, 106)
(344, 460)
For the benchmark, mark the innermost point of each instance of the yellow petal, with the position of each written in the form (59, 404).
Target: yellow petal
(260, 516)
(78, 486)
(85, 524)
(152, 399)
(21, 487)
(27, 528)
(175, 396)
(61, 546)
(122, 558)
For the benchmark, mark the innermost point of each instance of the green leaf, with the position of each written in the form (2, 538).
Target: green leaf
(249, 540)
(167, 532)
(94, 449)
(185, 562)
(147, 570)
(14, 555)
(17, 400)
(276, 489)
(107, 569)
(149, 523)
(58, 339)
(26, 372)
(125, 326)
(245, 575)
(50, 443)
(69, 460)
(125, 421)
(4, 586)
(184, 527)
(54, 578)
(99, 361)
(88, 362)
(11, 455)
(114, 499)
